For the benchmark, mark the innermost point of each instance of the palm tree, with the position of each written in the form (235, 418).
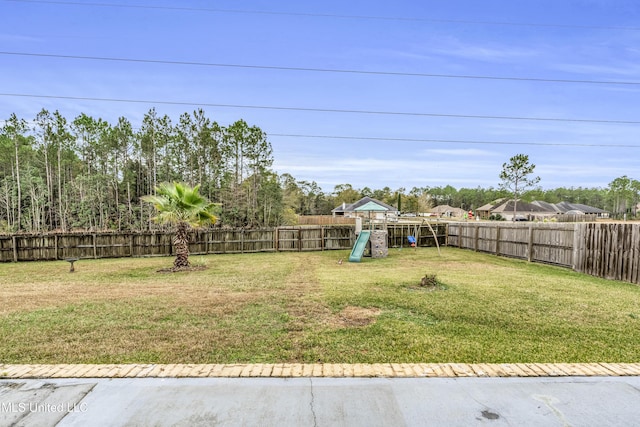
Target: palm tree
(184, 207)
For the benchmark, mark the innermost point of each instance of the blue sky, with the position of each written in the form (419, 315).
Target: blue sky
(523, 43)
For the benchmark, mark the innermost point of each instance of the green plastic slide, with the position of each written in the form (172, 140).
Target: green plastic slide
(360, 246)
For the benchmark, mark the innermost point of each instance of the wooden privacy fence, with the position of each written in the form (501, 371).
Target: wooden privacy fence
(398, 233)
(32, 247)
(324, 220)
(611, 251)
(55, 246)
(574, 217)
(608, 250)
(538, 242)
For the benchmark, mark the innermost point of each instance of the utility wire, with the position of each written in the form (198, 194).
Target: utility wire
(449, 141)
(328, 15)
(319, 110)
(321, 70)
(443, 141)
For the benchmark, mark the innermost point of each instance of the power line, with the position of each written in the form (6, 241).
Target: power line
(443, 141)
(329, 15)
(319, 110)
(450, 141)
(322, 70)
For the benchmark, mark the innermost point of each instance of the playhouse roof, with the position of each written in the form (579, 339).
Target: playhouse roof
(365, 200)
(371, 206)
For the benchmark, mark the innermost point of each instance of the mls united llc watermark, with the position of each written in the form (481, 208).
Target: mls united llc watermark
(23, 407)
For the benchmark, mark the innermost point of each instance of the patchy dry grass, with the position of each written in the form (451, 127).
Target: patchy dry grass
(305, 307)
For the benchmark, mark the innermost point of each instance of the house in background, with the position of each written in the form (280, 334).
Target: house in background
(574, 209)
(484, 211)
(537, 210)
(366, 206)
(523, 211)
(580, 209)
(446, 211)
(504, 207)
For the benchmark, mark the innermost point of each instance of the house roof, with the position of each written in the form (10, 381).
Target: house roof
(565, 207)
(507, 206)
(486, 207)
(490, 206)
(549, 207)
(441, 209)
(540, 206)
(365, 200)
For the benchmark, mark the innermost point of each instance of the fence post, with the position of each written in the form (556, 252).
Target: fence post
(15, 248)
(55, 246)
(576, 244)
(530, 244)
(322, 238)
(131, 245)
(95, 250)
(497, 239)
(475, 237)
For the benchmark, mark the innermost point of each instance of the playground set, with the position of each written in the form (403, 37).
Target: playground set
(372, 234)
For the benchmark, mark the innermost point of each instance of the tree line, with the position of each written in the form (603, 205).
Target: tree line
(85, 173)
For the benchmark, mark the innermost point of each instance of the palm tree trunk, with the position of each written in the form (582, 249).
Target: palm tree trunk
(181, 246)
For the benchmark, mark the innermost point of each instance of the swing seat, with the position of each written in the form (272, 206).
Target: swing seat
(411, 240)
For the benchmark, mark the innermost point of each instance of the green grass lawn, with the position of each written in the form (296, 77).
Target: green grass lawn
(306, 307)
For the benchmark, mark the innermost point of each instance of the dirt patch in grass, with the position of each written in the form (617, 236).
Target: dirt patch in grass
(352, 316)
(183, 269)
(303, 295)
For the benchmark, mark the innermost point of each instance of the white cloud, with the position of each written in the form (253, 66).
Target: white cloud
(626, 69)
(496, 52)
(460, 152)
(379, 172)
(16, 38)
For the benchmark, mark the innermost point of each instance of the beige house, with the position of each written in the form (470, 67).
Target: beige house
(523, 211)
(446, 211)
(535, 210)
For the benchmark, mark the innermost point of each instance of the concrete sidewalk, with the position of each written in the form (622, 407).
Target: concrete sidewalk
(312, 401)
(385, 394)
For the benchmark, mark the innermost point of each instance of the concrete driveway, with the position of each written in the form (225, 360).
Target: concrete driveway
(312, 401)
